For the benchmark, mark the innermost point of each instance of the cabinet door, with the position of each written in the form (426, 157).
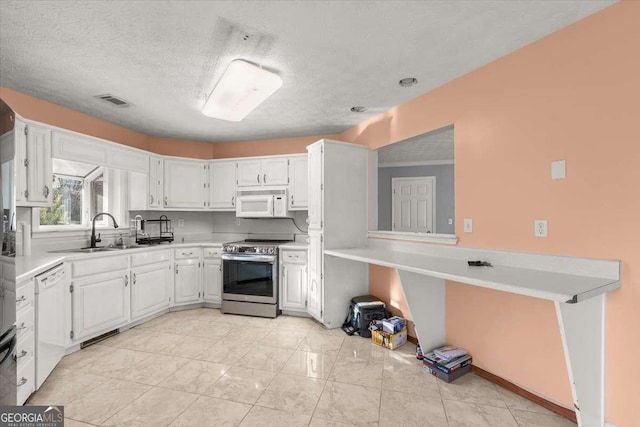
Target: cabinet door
(315, 187)
(20, 162)
(137, 191)
(275, 171)
(222, 181)
(80, 148)
(187, 281)
(293, 292)
(249, 173)
(155, 182)
(314, 297)
(39, 175)
(128, 159)
(150, 289)
(185, 184)
(100, 304)
(213, 280)
(299, 185)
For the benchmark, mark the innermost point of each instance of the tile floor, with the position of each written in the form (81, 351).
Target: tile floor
(202, 368)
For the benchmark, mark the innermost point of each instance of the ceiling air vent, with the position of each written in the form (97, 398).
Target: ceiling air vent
(116, 102)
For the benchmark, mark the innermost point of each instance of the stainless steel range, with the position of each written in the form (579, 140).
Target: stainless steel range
(250, 277)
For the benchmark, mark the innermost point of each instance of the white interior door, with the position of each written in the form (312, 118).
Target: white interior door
(414, 204)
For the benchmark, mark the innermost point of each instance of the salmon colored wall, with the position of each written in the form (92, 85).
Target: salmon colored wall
(265, 147)
(572, 95)
(181, 148)
(385, 285)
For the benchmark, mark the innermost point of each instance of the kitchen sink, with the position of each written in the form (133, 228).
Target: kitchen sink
(124, 246)
(85, 250)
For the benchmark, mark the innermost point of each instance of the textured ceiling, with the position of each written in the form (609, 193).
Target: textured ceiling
(165, 57)
(428, 147)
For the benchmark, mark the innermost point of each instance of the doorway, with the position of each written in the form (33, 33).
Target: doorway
(413, 204)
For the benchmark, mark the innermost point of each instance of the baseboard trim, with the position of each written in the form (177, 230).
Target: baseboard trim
(412, 339)
(560, 410)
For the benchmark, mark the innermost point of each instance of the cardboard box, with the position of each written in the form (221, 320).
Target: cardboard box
(387, 340)
(394, 324)
(437, 371)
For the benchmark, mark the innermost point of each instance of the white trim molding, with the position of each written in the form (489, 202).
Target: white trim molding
(406, 236)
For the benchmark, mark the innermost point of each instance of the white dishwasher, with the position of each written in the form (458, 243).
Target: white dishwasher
(51, 314)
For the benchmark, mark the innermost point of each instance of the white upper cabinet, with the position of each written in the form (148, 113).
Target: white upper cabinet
(315, 187)
(80, 148)
(128, 159)
(185, 184)
(33, 165)
(263, 172)
(156, 187)
(138, 193)
(298, 183)
(222, 183)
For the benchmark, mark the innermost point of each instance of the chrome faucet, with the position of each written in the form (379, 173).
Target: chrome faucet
(93, 228)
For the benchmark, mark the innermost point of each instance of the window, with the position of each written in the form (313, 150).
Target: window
(67, 199)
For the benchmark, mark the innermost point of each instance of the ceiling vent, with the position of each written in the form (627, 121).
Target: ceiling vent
(116, 102)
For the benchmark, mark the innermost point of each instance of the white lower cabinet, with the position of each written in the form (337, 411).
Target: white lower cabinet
(188, 276)
(212, 275)
(314, 297)
(23, 309)
(100, 304)
(293, 280)
(150, 290)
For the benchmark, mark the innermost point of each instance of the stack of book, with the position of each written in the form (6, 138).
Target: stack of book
(448, 363)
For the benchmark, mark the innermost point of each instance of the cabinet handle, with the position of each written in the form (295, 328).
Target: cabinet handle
(264, 179)
(165, 200)
(220, 267)
(233, 201)
(22, 354)
(21, 299)
(176, 268)
(134, 278)
(258, 178)
(292, 200)
(126, 280)
(186, 254)
(22, 382)
(151, 199)
(22, 326)
(46, 191)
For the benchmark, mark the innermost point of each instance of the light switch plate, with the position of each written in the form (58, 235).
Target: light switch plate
(540, 228)
(468, 225)
(180, 222)
(559, 169)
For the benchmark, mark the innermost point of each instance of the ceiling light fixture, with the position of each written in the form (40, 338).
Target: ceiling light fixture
(358, 109)
(407, 82)
(242, 87)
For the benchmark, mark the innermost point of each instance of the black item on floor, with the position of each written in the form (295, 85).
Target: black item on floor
(362, 311)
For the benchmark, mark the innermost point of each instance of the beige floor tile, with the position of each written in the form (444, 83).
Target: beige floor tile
(284, 338)
(152, 370)
(319, 422)
(266, 417)
(155, 324)
(207, 329)
(189, 347)
(293, 323)
(196, 376)
(318, 328)
(115, 364)
(58, 372)
(514, 401)
(63, 390)
(126, 336)
(408, 376)
(411, 410)
(319, 343)
(68, 422)
(179, 325)
(349, 403)
(266, 358)
(293, 394)
(248, 334)
(151, 341)
(309, 364)
(462, 414)
(471, 389)
(362, 349)
(102, 402)
(157, 407)
(351, 370)
(260, 322)
(209, 411)
(533, 419)
(225, 351)
(241, 385)
(84, 357)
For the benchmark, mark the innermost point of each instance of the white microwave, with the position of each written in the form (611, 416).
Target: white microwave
(262, 204)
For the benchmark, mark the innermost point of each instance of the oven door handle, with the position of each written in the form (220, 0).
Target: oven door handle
(253, 257)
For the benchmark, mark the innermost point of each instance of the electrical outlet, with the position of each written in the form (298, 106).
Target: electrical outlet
(468, 225)
(540, 229)
(180, 222)
(450, 221)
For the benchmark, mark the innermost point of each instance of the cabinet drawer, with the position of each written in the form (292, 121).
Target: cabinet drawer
(24, 323)
(294, 256)
(26, 379)
(25, 350)
(150, 258)
(212, 252)
(186, 253)
(97, 266)
(24, 297)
